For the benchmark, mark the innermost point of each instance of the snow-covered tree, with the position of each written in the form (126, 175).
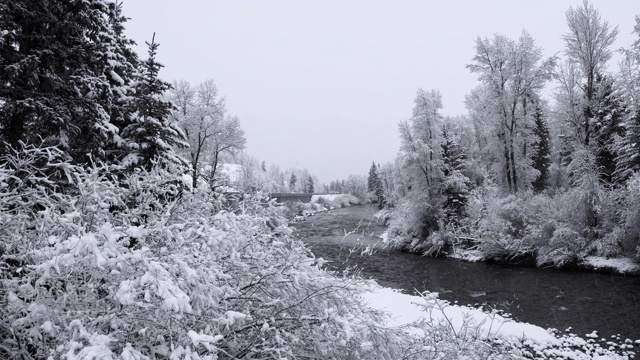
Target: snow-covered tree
(293, 180)
(375, 187)
(607, 127)
(542, 150)
(356, 185)
(153, 134)
(228, 139)
(512, 75)
(66, 70)
(419, 136)
(567, 120)
(588, 42)
(210, 132)
(628, 147)
(455, 185)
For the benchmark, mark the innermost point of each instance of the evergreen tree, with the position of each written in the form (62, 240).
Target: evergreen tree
(374, 186)
(310, 187)
(153, 134)
(64, 73)
(628, 152)
(371, 179)
(123, 87)
(455, 185)
(542, 150)
(607, 127)
(628, 148)
(292, 182)
(379, 189)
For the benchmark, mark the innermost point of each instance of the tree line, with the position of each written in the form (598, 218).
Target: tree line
(522, 176)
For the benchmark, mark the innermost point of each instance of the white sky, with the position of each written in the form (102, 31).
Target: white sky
(322, 84)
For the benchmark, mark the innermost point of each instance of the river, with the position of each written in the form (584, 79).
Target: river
(578, 300)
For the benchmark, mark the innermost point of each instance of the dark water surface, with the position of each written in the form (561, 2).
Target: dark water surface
(548, 298)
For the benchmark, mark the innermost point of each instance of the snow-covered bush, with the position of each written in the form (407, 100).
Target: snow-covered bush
(562, 248)
(501, 227)
(412, 223)
(132, 268)
(336, 201)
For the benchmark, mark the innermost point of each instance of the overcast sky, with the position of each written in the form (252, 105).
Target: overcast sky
(322, 84)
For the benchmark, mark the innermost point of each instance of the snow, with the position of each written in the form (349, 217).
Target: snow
(621, 265)
(328, 197)
(116, 77)
(405, 309)
(233, 171)
(592, 335)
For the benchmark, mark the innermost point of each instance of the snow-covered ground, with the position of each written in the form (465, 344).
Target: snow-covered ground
(409, 310)
(621, 265)
(405, 309)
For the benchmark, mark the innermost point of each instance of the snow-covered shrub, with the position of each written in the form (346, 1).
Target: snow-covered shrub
(134, 269)
(323, 201)
(437, 243)
(501, 228)
(414, 219)
(336, 201)
(345, 201)
(563, 248)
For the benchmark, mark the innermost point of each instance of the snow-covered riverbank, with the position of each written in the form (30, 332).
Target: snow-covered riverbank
(427, 316)
(618, 265)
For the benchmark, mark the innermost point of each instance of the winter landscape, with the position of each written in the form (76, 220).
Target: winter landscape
(138, 221)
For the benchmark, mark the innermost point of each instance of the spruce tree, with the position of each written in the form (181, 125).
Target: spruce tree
(152, 134)
(292, 182)
(371, 178)
(628, 152)
(61, 69)
(607, 127)
(455, 185)
(542, 150)
(310, 187)
(379, 189)
(374, 186)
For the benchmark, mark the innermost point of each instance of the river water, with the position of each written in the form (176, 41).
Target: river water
(579, 301)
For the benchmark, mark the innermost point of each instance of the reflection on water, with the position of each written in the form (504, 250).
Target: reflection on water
(584, 301)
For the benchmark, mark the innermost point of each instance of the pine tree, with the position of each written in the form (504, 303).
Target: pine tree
(153, 134)
(542, 151)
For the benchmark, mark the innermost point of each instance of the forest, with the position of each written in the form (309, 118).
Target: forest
(119, 241)
(520, 179)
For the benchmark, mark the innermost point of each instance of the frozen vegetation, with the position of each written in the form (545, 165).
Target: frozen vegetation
(519, 179)
(118, 240)
(140, 267)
